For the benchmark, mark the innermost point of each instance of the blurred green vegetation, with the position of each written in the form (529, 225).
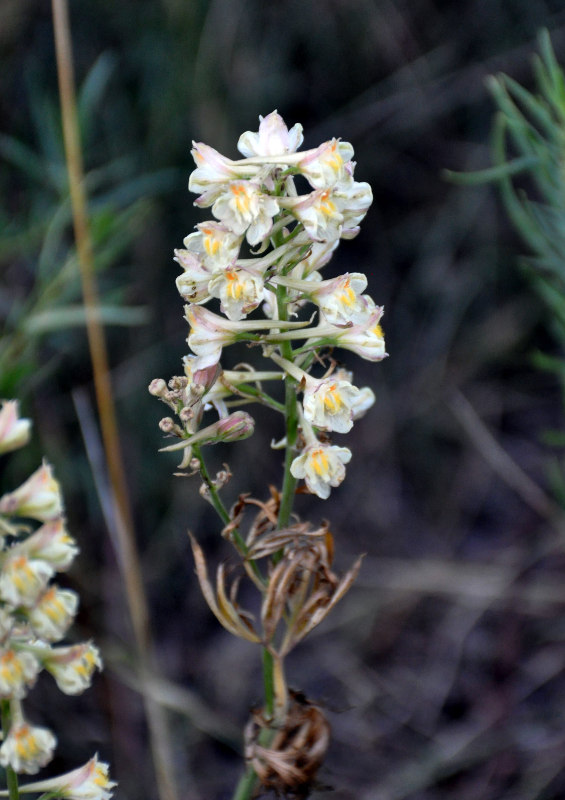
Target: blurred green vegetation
(454, 636)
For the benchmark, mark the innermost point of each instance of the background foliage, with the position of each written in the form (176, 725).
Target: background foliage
(442, 671)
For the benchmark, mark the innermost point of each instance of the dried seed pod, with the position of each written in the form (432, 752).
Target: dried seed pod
(287, 758)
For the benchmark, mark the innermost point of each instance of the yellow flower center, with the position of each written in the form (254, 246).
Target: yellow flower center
(241, 198)
(320, 462)
(347, 295)
(211, 243)
(26, 744)
(332, 399)
(326, 205)
(234, 287)
(333, 158)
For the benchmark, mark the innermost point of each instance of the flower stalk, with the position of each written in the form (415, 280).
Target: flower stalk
(266, 302)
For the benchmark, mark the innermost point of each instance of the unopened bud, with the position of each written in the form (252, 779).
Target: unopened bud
(167, 425)
(186, 414)
(236, 426)
(177, 383)
(158, 387)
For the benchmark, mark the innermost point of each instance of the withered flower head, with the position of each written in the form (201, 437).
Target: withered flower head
(296, 751)
(302, 588)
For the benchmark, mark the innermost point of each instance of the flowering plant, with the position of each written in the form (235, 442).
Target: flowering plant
(290, 237)
(35, 614)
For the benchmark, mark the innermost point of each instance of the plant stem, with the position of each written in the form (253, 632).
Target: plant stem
(215, 498)
(11, 777)
(221, 510)
(291, 417)
(246, 786)
(268, 682)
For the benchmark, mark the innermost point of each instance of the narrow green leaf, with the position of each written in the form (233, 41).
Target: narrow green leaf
(514, 167)
(536, 107)
(75, 316)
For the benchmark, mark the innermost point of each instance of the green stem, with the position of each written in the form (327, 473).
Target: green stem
(268, 683)
(11, 777)
(246, 786)
(221, 510)
(291, 414)
(247, 783)
(215, 498)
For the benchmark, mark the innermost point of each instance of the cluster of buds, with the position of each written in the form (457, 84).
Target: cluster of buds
(35, 615)
(279, 215)
(256, 200)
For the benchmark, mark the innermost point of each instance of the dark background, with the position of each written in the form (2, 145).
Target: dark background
(441, 671)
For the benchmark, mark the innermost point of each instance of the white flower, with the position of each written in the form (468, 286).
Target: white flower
(27, 748)
(319, 255)
(39, 497)
(22, 579)
(363, 402)
(367, 340)
(341, 300)
(244, 208)
(208, 334)
(328, 403)
(192, 284)
(327, 164)
(213, 171)
(52, 543)
(273, 138)
(353, 200)
(90, 782)
(73, 667)
(53, 613)
(18, 671)
(321, 466)
(318, 212)
(239, 290)
(14, 432)
(214, 245)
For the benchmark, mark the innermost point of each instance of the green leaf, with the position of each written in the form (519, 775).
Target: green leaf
(509, 168)
(75, 316)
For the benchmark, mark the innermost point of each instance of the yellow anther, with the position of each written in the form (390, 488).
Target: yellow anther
(332, 399)
(241, 198)
(320, 462)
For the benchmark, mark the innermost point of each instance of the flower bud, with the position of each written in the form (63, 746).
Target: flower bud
(239, 425)
(158, 387)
